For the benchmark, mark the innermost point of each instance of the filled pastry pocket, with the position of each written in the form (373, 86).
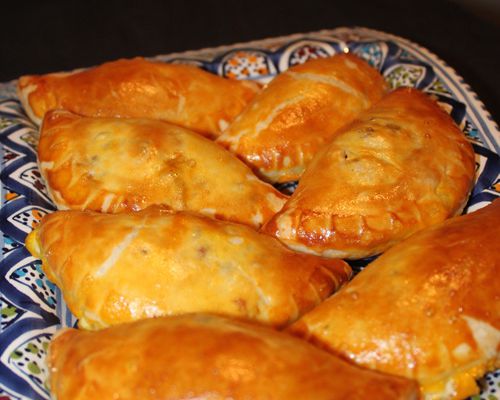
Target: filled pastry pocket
(114, 165)
(137, 88)
(116, 268)
(422, 309)
(401, 166)
(299, 112)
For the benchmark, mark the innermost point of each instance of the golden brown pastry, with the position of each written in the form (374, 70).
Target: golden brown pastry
(206, 357)
(138, 88)
(115, 268)
(399, 167)
(427, 309)
(113, 165)
(300, 111)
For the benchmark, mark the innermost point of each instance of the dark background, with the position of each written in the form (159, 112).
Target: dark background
(47, 36)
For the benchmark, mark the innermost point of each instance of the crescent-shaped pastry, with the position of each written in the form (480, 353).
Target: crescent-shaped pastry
(301, 109)
(401, 166)
(427, 309)
(113, 165)
(206, 357)
(114, 268)
(182, 94)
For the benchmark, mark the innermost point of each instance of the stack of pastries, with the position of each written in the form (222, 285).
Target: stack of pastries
(193, 277)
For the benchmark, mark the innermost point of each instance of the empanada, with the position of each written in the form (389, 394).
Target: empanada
(138, 88)
(113, 165)
(115, 268)
(301, 109)
(399, 167)
(427, 309)
(206, 357)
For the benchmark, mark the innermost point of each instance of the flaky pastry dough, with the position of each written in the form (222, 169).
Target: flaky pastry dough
(138, 88)
(114, 165)
(206, 357)
(114, 268)
(401, 166)
(299, 112)
(427, 309)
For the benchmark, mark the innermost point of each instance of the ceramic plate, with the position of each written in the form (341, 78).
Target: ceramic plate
(31, 306)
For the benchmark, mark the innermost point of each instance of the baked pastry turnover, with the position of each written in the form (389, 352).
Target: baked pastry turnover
(299, 111)
(113, 165)
(206, 357)
(138, 88)
(399, 167)
(427, 309)
(114, 268)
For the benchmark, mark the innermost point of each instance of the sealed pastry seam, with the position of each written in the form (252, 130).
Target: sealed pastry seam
(300, 110)
(44, 167)
(381, 180)
(157, 262)
(114, 165)
(140, 88)
(421, 309)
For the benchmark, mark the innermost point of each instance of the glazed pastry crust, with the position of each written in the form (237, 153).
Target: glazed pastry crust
(114, 165)
(399, 167)
(299, 111)
(114, 268)
(206, 357)
(138, 88)
(427, 309)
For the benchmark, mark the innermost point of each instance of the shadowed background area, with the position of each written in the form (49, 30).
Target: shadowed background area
(40, 37)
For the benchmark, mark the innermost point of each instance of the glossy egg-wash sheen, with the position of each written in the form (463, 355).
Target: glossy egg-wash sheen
(401, 166)
(403, 63)
(138, 88)
(206, 357)
(427, 309)
(115, 268)
(299, 111)
(114, 165)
